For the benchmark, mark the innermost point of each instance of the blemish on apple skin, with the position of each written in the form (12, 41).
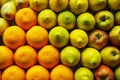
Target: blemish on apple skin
(114, 53)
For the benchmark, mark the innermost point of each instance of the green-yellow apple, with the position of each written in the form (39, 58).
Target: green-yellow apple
(104, 20)
(97, 39)
(86, 21)
(117, 73)
(3, 25)
(110, 56)
(83, 73)
(67, 19)
(70, 56)
(103, 72)
(78, 38)
(78, 6)
(114, 4)
(58, 36)
(21, 3)
(47, 18)
(97, 5)
(114, 35)
(58, 5)
(90, 58)
(8, 10)
(3, 2)
(117, 17)
(38, 5)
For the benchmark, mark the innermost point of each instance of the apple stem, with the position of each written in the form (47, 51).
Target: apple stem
(103, 18)
(98, 36)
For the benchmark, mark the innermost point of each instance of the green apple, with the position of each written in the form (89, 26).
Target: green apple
(67, 19)
(110, 56)
(117, 17)
(58, 36)
(3, 25)
(38, 5)
(21, 3)
(47, 18)
(86, 21)
(70, 56)
(114, 35)
(8, 10)
(104, 20)
(97, 5)
(58, 5)
(117, 73)
(83, 73)
(78, 38)
(90, 58)
(114, 4)
(3, 2)
(78, 6)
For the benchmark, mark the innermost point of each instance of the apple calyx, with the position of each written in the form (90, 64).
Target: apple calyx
(78, 3)
(58, 38)
(86, 22)
(99, 38)
(104, 21)
(47, 19)
(114, 53)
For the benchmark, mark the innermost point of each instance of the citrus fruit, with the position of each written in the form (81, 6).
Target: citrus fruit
(48, 56)
(25, 56)
(70, 56)
(26, 18)
(61, 72)
(37, 37)
(78, 38)
(6, 57)
(58, 36)
(38, 5)
(3, 25)
(47, 18)
(14, 37)
(67, 19)
(90, 58)
(37, 72)
(13, 73)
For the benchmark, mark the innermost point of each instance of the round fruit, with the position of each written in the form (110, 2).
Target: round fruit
(78, 38)
(48, 56)
(37, 72)
(13, 73)
(70, 56)
(37, 37)
(61, 72)
(26, 18)
(6, 57)
(58, 36)
(47, 18)
(14, 37)
(25, 57)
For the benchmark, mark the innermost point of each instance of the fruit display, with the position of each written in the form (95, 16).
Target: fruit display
(59, 39)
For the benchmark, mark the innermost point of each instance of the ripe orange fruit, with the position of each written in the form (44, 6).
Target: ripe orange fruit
(61, 72)
(37, 72)
(48, 56)
(14, 37)
(6, 57)
(26, 18)
(25, 56)
(37, 37)
(13, 73)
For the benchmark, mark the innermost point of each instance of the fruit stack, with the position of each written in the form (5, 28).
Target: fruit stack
(59, 39)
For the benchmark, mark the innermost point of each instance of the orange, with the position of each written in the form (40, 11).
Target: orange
(26, 18)
(14, 37)
(48, 56)
(37, 37)
(6, 57)
(13, 73)
(61, 72)
(25, 56)
(37, 72)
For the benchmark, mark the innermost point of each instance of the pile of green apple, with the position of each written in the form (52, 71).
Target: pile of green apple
(87, 32)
